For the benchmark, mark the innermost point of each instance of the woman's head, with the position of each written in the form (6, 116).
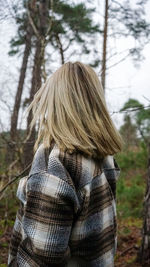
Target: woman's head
(72, 112)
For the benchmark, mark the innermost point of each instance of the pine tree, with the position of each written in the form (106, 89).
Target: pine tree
(50, 25)
(129, 132)
(41, 29)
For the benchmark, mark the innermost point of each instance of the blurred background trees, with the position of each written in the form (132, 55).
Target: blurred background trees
(139, 125)
(50, 32)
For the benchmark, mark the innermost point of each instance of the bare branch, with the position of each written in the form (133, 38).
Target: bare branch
(60, 47)
(15, 179)
(33, 25)
(146, 98)
(130, 110)
(121, 60)
(6, 104)
(51, 19)
(68, 45)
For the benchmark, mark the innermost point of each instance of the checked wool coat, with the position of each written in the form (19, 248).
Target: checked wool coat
(67, 214)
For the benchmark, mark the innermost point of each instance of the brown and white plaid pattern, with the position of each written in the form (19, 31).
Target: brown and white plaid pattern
(67, 214)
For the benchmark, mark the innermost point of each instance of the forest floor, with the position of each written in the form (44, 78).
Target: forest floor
(129, 240)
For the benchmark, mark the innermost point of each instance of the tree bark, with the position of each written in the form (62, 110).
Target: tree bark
(36, 77)
(35, 85)
(11, 148)
(103, 71)
(144, 253)
(60, 47)
(14, 117)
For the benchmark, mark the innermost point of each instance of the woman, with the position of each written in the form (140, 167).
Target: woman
(67, 214)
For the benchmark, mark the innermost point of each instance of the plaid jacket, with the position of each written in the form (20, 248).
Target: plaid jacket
(67, 214)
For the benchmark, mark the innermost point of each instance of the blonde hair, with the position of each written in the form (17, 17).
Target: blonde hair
(72, 112)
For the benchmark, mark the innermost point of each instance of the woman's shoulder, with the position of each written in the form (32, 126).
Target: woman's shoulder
(38, 163)
(75, 167)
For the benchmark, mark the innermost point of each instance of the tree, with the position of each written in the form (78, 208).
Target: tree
(53, 24)
(105, 35)
(141, 117)
(122, 20)
(129, 132)
(71, 25)
(55, 28)
(144, 252)
(14, 117)
(25, 37)
(41, 31)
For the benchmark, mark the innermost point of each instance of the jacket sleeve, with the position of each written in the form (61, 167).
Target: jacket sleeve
(47, 221)
(112, 172)
(16, 237)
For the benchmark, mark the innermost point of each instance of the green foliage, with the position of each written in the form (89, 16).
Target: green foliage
(131, 104)
(128, 131)
(130, 159)
(76, 16)
(131, 184)
(72, 22)
(140, 115)
(95, 63)
(130, 197)
(15, 43)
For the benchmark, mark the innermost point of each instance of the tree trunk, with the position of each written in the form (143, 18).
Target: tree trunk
(103, 71)
(144, 253)
(35, 85)
(11, 148)
(41, 28)
(60, 47)
(14, 117)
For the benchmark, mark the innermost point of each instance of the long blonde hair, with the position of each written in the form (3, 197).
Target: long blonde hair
(72, 112)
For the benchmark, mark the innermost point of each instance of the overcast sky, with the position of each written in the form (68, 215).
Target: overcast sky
(124, 81)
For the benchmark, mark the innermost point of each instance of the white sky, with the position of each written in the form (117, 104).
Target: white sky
(123, 80)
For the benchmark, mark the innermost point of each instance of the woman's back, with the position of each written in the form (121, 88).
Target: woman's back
(68, 213)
